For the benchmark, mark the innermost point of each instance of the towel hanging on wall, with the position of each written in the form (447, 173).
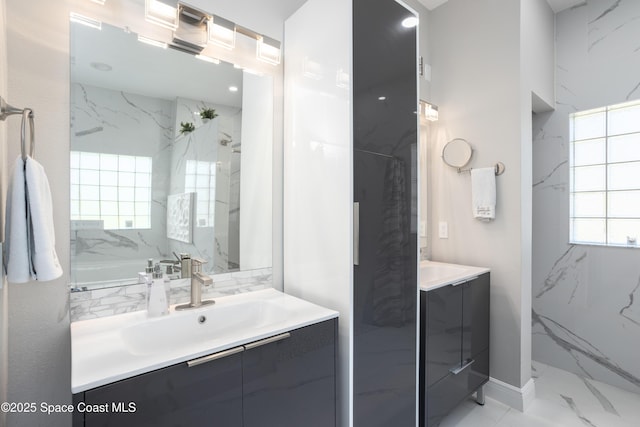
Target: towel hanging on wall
(30, 236)
(483, 193)
(30, 245)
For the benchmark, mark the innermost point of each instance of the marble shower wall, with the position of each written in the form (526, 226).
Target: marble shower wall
(109, 121)
(586, 299)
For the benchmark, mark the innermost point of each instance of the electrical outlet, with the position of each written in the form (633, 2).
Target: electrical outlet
(443, 230)
(423, 229)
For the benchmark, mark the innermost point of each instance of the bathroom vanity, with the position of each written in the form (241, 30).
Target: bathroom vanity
(454, 337)
(257, 359)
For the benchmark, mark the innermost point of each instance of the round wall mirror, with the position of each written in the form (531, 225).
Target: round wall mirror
(457, 153)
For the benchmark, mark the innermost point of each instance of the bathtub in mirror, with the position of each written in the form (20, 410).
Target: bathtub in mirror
(143, 184)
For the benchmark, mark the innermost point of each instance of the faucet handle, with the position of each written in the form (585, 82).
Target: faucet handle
(198, 261)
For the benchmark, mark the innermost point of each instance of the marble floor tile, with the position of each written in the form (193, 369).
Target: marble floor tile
(563, 399)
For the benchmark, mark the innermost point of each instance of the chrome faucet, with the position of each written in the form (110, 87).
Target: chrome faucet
(194, 268)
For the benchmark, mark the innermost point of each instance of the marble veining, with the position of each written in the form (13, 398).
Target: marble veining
(629, 309)
(562, 399)
(586, 317)
(579, 346)
(613, 7)
(575, 409)
(550, 174)
(561, 268)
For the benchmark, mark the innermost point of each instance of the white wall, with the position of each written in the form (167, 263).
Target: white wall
(585, 317)
(538, 52)
(3, 175)
(39, 338)
(477, 84)
(257, 168)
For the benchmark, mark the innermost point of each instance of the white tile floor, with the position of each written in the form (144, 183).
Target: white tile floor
(563, 399)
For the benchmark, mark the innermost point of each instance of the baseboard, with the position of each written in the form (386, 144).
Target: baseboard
(517, 398)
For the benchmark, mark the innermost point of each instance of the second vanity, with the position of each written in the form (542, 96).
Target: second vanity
(254, 359)
(454, 337)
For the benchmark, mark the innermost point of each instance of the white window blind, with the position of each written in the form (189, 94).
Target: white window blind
(112, 188)
(604, 169)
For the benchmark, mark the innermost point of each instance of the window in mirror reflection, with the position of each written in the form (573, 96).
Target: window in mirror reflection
(112, 189)
(200, 178)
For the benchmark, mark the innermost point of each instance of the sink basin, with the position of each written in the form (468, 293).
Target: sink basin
(210, 323)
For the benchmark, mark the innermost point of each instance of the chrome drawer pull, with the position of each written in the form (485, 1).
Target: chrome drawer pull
(267, 341)
(214, 356)
(457, 369)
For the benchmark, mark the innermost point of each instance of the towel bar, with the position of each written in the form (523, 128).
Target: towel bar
(499, 169)
(7, 110)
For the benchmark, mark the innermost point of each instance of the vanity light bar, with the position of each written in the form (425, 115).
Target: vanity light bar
(221, 32)
(160, 13)
(429, 111)
(152, 42)
(84, 20)
(268, 50)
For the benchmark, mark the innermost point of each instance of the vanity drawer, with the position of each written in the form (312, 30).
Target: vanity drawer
(447, 393)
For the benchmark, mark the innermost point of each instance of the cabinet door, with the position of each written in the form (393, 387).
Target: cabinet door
(291, 382)
(209, 395)
(443, 332)
(475, 318)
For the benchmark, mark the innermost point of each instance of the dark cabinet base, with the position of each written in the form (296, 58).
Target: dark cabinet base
(288, 382)
(447, 393)
(454, 347)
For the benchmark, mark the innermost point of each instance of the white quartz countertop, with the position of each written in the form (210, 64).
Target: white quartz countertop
(113, 348)
(435, 275)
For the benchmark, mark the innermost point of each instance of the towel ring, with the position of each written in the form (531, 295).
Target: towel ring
(27, 114)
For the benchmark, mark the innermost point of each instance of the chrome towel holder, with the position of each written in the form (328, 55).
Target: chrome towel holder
(7, 110)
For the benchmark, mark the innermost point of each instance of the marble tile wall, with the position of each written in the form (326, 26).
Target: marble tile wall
(124, 299)
(108, 121)
(586, 312)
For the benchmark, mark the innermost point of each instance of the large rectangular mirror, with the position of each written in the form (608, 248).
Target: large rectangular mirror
(150, 177)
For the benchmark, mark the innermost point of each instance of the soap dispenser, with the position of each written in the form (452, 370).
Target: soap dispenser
(157, 301)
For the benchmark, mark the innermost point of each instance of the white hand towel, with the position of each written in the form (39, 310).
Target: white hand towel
(43, 237)
(30, 245)
(17, 257)
(483, 193)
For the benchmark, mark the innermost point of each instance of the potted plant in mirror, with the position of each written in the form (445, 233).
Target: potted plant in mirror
(186, 127)
(207, 114)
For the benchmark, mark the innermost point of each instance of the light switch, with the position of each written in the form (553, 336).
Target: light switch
(443, 230)
(423, 229)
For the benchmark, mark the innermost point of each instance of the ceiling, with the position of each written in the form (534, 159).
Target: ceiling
(556, 5)
(147, 70)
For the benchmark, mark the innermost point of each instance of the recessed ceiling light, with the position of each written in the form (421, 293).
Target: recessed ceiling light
(101, 66)
(233, 88)
(410, 22)
(382, 98)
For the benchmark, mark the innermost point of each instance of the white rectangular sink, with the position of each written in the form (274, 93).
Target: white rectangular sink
(114, 348)
(435, 275)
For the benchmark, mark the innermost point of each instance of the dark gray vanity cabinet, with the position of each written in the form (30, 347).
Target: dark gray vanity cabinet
(207, 394)
(454, 346)
(285, 380)
(290, 382)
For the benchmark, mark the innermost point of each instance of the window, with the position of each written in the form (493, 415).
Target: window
(200, 178)
(111, 188)
(605, 175)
